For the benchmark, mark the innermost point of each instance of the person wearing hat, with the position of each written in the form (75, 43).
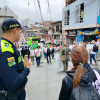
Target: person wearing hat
(92, 51)
(13, 73)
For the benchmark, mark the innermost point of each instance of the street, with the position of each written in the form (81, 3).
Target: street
(35, 28)
(44, 81)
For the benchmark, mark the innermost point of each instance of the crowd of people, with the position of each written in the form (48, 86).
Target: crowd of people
(82, 82)
(38, 52)
(49, 51)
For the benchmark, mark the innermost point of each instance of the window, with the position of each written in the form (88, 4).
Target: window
(56, 36)
(57, 28)
(60, 26)
(79, 13)
(50, 38)
(68, 2)
(47, 37)
(82, 12)
(66, 19)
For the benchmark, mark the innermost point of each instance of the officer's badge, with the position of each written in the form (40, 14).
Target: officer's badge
(6, 44)
(19, 59)
(11, 61)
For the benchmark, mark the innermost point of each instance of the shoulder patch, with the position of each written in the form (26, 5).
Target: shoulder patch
(6, 46)
(11, 61)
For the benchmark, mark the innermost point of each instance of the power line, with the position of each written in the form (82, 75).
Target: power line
(49, 9)
(40, 10)
(35, 7)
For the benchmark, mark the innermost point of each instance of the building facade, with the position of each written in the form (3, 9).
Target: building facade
(47, 24)
(80, 16)
(57, 32)
(6, 12)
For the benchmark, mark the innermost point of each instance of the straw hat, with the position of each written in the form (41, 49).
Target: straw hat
(93, 41)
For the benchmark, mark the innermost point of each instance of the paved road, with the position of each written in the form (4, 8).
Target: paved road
(45, 81)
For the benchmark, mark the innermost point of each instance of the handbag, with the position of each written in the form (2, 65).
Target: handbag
(63, 58)
(36, 54)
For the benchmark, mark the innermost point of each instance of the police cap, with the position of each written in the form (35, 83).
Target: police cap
(10, 23)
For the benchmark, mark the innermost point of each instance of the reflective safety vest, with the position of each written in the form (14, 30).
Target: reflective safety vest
(12, 71)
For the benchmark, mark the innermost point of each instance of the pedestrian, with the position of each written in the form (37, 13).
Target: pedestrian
(23, 52)
(48, 55)
(56, 48)
(32, 55)
(38, 54)
(81, 73)
(52, 52)
(13, 73)
(98, 53)
(65, 53)
(45, 51)
(28, 52)
(93, 50)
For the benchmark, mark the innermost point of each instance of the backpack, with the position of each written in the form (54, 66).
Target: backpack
(52, 50)
(85, 92)
(95, 48)
(48, 51)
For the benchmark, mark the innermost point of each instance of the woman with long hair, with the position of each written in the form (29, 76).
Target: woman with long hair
(80, 73)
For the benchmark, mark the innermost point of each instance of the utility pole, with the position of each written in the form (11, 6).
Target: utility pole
(49, 9)
(40, 10)
(28, 13)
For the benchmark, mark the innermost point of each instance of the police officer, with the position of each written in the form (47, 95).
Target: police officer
(13, 74)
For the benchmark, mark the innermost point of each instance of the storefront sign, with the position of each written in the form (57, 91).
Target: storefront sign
(71, 33)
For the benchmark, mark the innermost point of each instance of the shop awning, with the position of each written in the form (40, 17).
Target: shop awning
(89, 32)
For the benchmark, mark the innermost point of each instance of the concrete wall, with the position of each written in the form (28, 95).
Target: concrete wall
(91, 12)
(6, 11)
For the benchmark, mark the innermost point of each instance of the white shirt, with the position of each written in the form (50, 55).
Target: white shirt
(97, 43)
(39, 51)
(71, 47)
(91, 52)
(56, 48)
(45, 50)
(32, 52)
(51, 49)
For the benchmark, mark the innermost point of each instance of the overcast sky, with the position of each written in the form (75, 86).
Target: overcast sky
(20, 7)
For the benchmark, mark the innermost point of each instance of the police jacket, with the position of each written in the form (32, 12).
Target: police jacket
(67, 83)
(13, 75)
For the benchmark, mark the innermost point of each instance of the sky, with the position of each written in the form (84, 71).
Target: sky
(23, 11)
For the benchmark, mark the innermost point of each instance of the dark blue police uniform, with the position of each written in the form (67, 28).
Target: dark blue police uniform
(13, 75)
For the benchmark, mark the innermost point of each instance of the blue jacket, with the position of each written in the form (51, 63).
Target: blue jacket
(12, 71)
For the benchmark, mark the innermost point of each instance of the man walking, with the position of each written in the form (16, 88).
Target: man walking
(93, 50)
(65, 51)
(38, 54)
(32, 55)
(13, 73)
(48, 55)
